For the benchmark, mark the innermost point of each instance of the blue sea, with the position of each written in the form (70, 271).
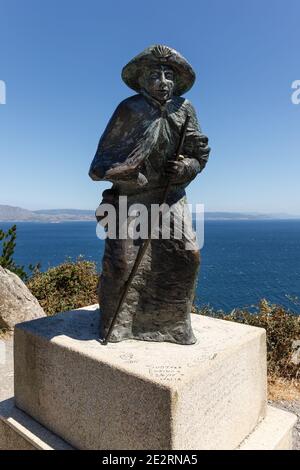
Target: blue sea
(242, 261)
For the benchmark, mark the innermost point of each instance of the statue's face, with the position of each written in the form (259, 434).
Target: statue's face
(159, 82)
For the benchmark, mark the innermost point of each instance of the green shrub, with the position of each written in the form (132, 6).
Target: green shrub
(65, 287)
(8, 248)
(8, 240)
(282, 327)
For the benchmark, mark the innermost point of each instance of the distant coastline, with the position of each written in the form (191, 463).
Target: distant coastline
(18, 214)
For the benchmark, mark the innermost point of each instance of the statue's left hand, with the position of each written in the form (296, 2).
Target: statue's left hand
(181, 170)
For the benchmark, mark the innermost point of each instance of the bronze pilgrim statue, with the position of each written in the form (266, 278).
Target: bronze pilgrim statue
(138, 154)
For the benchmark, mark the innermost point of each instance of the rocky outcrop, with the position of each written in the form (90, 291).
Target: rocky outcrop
(17, 304)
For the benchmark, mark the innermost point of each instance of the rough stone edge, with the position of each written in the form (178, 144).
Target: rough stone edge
(22, 288)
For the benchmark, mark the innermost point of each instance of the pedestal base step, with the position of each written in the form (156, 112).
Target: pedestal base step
(275, 432)
(18, 431)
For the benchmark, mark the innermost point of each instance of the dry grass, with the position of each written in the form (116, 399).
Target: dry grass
(5, 334)
(283, 389)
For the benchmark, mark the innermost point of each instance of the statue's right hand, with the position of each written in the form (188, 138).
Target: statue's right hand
(116, 170)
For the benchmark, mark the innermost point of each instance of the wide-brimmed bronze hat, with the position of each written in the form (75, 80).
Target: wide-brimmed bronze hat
(162, 55)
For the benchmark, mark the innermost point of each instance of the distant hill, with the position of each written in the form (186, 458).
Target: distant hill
(236, 216)
(246, 216)
(12, 214)
(18, 214)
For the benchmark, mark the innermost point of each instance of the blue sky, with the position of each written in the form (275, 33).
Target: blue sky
(61, 62)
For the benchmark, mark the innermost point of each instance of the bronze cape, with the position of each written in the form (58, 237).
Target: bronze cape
(141, 135)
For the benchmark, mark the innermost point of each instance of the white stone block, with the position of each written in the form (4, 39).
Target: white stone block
(141, 395)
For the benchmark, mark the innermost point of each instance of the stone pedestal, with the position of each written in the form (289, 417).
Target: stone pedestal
(142, 395)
